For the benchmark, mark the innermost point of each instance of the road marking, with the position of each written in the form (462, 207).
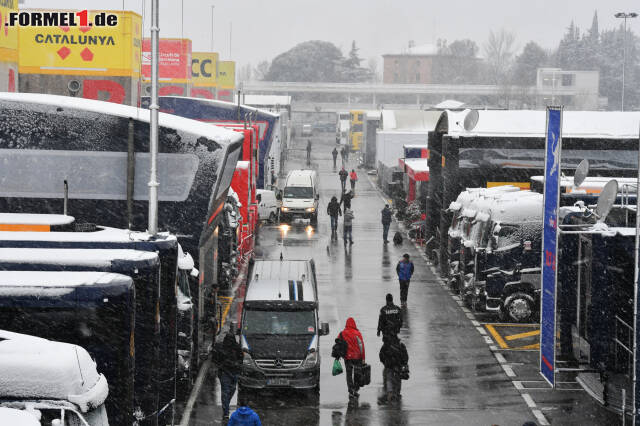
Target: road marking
(487, 340)
(522, 335)
(528, 347)
(465, 309)
(481, 331)
(496, 336)
(518, 384)
(501, 359)
(475, 323)
(530, 402)
(508, 370)
(541, 418)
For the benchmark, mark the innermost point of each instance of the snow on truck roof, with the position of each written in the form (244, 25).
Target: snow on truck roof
(281, 280)
(35, 219)
(60, 279)
(216, 133)
(35, 368)
(15, 417)
(527, 123)
(80, 257)
(228, 105)
(102, 235)
(410, 120)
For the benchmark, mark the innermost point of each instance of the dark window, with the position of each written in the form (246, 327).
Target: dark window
(279, 322)
(567, 79)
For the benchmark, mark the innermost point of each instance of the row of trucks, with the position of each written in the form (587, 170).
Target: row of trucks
(80, 271)
(494, 244)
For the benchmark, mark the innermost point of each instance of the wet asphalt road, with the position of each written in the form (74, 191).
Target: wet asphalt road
(455, 378)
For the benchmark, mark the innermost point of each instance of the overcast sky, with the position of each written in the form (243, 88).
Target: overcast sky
(264, 28)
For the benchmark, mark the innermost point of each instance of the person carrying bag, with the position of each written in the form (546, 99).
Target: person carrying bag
(350, 346)
(394, 357)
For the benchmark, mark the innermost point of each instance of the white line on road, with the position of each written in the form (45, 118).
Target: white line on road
(204, 369)
(541, 418)
(493, 348)
(500, 358)
(508, 370)
(481, 331)
(530, 402)
(465, 309)
(518, 384)
(475, 323)
(487, 340)
(470, 316)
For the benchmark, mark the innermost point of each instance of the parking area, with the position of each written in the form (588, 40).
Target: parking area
(515, 337)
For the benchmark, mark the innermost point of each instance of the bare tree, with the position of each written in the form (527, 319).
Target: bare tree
(244, 73)
(499, 52)
(261, 70)
(372, 64)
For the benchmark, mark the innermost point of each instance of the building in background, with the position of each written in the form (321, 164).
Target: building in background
(226, 80)
(426, 64)
(204, 74)
(577, 90)
(91, 62)
(8, 49)
(174, 69)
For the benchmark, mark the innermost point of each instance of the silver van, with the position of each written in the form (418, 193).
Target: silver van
(280, 328)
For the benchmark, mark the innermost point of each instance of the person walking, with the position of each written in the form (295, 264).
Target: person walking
(346, 199)
(334, 154)
(354, 356)
(394, 357)
(333, 210)
(353, 177)
(386, 222)
(228, 357)
(343, 178)
(390, 318)
(404, 269)
(346, 153)
(347, 225)
(308, 152)
(244, 416)
(343, 154)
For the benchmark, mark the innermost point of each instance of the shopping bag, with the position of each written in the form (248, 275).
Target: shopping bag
(363, 374)
(404, 372)
(337, 367)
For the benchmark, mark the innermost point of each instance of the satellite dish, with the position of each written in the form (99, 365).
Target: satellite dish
(606, 199)
(471, 120)
(581, 173)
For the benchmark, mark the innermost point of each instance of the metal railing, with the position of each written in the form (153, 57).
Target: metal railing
(624, 345)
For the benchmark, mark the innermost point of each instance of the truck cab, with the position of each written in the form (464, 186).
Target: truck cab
(280, 327)
(44, 381)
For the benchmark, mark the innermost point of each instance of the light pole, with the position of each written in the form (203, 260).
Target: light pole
(624, 15)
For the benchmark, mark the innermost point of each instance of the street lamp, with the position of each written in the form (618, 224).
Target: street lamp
(212, 7)
(624, 16)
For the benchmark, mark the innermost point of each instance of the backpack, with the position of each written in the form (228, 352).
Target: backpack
(397, 238)
(339, 349)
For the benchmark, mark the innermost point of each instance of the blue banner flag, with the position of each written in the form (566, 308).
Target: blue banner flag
(553, 148)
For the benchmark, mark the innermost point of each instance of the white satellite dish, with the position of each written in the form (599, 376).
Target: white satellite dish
(581, 173)
(471, 120)
(606, 199)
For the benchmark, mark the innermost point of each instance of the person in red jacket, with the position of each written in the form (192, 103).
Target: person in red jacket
(354, 356)
(353, 177)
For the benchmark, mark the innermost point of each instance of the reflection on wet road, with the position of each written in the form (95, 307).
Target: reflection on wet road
(455, 378)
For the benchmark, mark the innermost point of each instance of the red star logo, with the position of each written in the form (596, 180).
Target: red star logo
(63, 52)
(86, 54)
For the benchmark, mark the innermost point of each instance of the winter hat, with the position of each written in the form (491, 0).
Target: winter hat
(406, 256)
(389, 297)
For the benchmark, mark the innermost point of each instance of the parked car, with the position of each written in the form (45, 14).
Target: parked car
(268, 205)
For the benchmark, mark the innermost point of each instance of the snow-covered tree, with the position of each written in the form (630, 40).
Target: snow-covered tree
(527, 63)
(499, 51)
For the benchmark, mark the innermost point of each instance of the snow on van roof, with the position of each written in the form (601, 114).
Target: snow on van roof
(80, 257)
(216, 133)
(277, 269)
(103, 234)
(225, 104)
(59, 279)
(15, 417)
(263, 100)
(35, 219)
(527, 123)
(280, 290)
(35, 368)
(523, 207)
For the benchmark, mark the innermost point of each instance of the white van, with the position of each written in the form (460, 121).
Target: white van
(267, 205)
(300, 196)
(280, 327)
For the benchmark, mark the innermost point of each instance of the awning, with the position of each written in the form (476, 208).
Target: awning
(416, 168)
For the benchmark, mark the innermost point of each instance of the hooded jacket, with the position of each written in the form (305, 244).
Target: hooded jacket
(348, 217)
(393, 353)
(355, 343)
(404, 270)
(244, 416)
(343, 174)
(228, 355)
(353, 176)
(386, 215)
(333, 208)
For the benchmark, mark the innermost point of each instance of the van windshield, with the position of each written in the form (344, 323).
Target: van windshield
(279, 322)
(298, 192)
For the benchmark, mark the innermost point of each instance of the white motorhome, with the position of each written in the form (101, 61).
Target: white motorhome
(300, 196)
(51, 381)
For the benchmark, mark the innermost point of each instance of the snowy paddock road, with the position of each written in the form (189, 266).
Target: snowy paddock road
(459, 373)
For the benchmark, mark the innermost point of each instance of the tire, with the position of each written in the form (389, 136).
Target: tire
(272, 217)
(518, 307)
(314, 220)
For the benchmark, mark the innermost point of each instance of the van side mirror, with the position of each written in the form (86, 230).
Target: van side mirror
(279, 195)
(317, 196)
(324, 329)
(259, 198)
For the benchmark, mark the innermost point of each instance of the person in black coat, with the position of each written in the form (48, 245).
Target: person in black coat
(333, 210)
(343, 178)
(228, 358)
(346, 199)
(390, 318)
(394, 356)
(334, 154)
(386, 215)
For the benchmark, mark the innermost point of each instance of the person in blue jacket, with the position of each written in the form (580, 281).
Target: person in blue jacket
(244, 416)
(404, 269)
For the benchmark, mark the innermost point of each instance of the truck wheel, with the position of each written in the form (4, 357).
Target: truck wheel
(314, 220)
(272, 217)
(518, 307)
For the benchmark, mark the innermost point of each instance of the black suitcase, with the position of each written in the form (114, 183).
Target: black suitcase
(363, 374)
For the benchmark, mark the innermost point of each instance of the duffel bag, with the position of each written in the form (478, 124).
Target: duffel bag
(362, 374)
